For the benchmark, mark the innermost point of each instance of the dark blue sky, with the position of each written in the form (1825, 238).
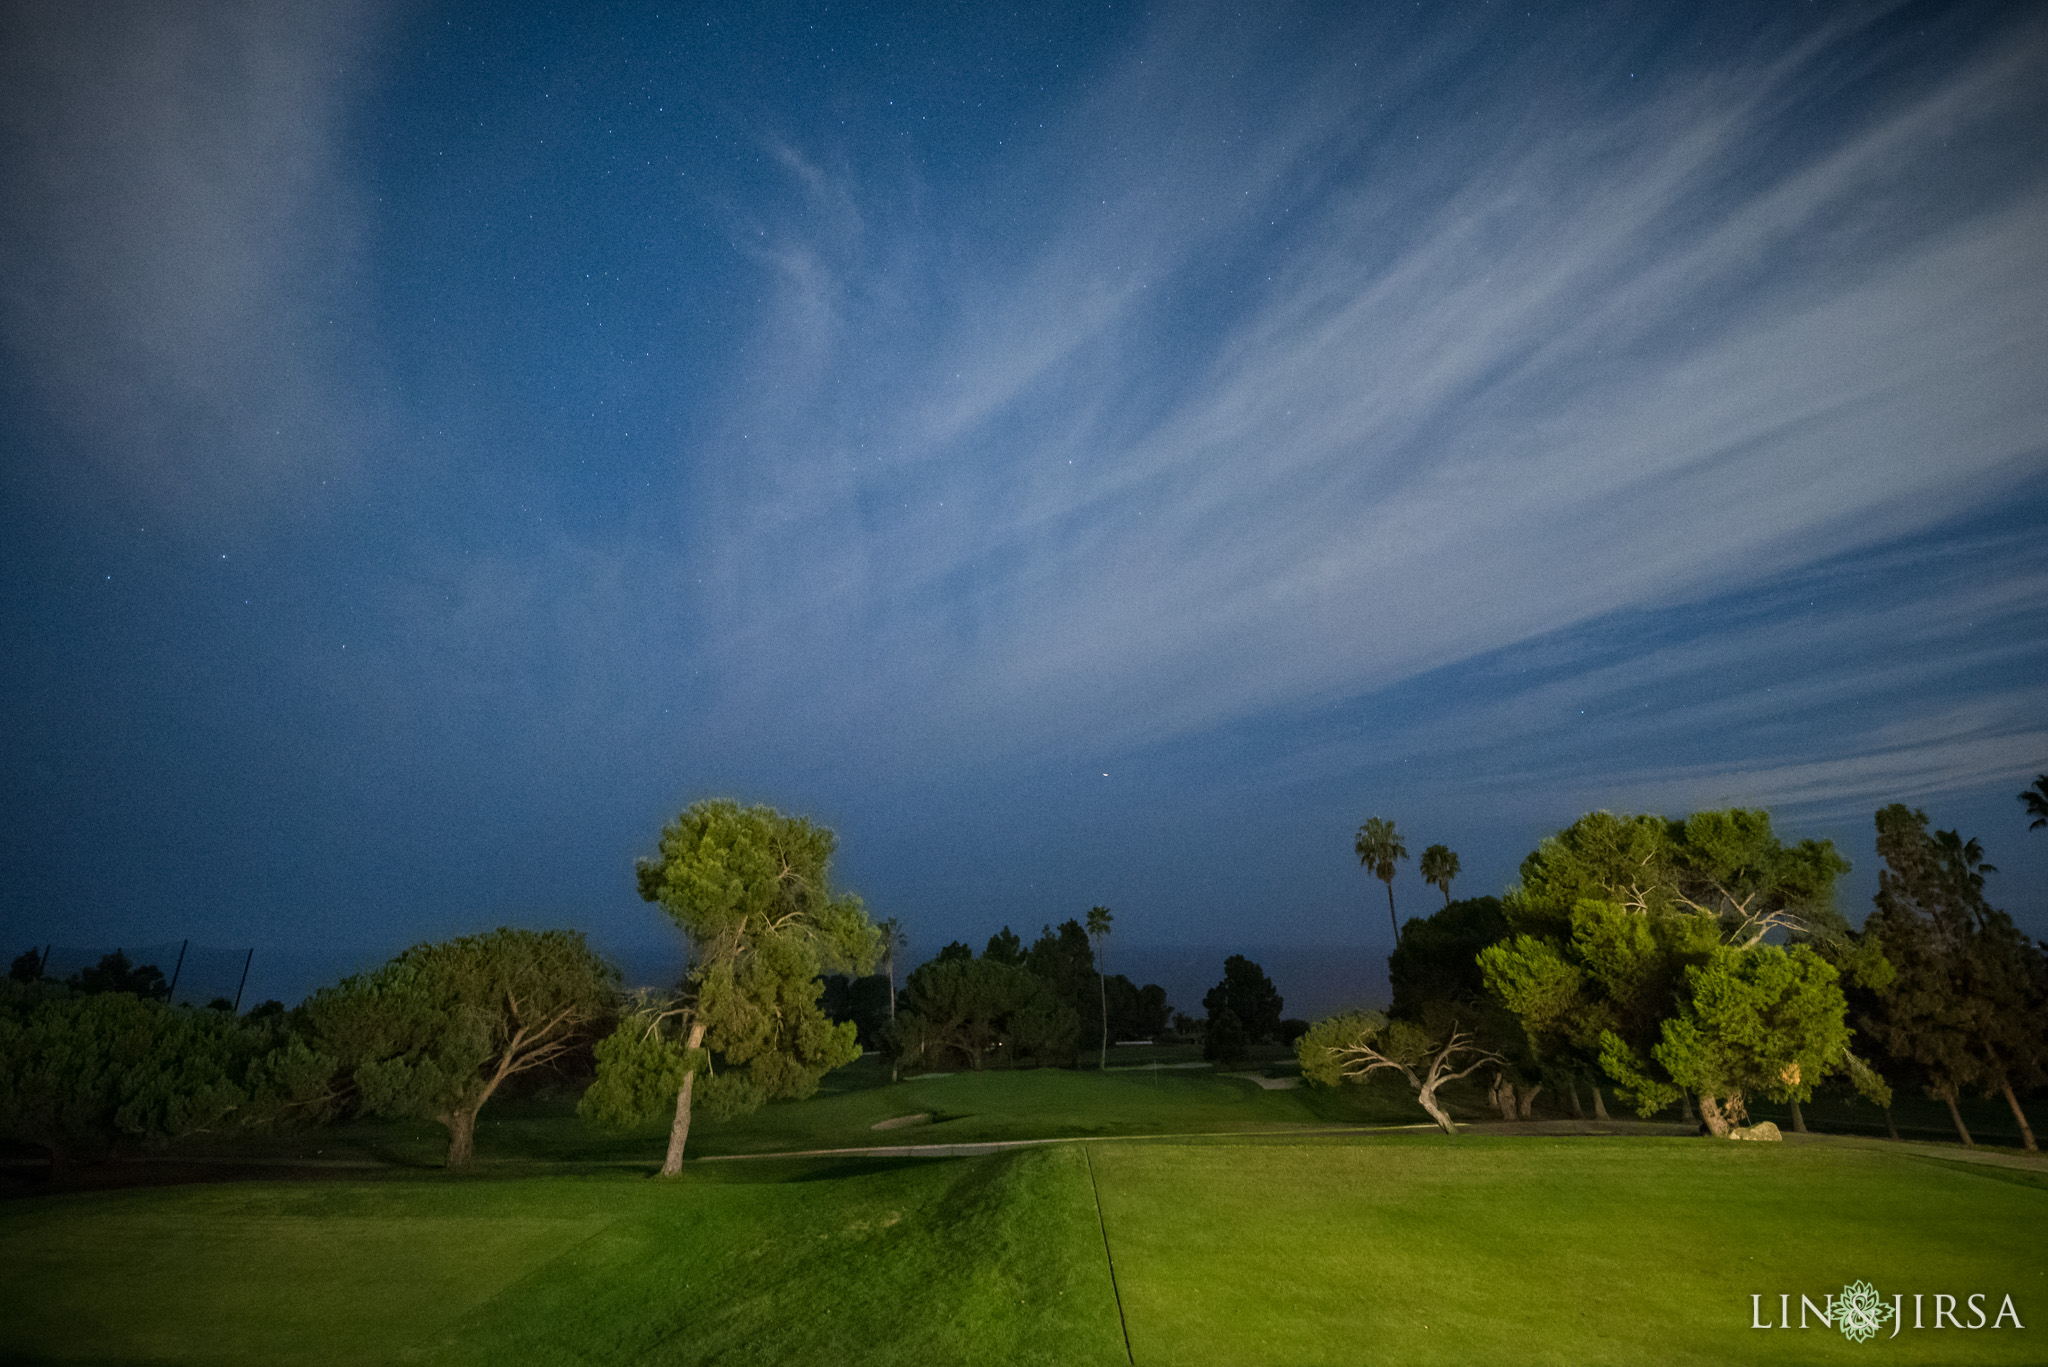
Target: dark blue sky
(1083, 457)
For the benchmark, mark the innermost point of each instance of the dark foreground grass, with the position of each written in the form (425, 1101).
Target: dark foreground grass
(1409, 1249)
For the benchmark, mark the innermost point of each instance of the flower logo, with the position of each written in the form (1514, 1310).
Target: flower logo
(1859, 1313)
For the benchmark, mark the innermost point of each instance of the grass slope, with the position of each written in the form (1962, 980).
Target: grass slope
(997, 1261)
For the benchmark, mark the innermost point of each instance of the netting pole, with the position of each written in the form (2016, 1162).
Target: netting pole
(171, 995)
(245, 980)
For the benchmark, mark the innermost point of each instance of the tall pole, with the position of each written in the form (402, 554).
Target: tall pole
(171, 993)
(245, 979)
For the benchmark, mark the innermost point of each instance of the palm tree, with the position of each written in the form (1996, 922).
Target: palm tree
(1378, 846)
(1098, 931)
(892, 940)
(2036, 799)
(1440, 866)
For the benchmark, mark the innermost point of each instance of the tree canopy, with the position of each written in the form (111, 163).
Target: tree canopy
(749, 889)
(1243, 1010)
(1622, 922)
(436, 1031)
(1969, 1004)
(973, 1011)
(81, 1071)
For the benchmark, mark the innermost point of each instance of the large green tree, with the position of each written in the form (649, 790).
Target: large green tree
(1614, 913)
(1757, 1021)
(749, 889)
(1378, 847)
(1969, 999)
(435, 1032)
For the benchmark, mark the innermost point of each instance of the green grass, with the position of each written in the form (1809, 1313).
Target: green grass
(965, 1108)
(1422, 1249)
(996, 1260)
(1256, 1249)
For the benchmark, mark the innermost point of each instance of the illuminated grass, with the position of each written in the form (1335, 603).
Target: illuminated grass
(1258, 1249)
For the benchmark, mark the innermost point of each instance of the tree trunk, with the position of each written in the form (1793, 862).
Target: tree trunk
(1426, 1094)
(1685, 1107)
(679, 1129)
(1529, 1102)
(1102, 989)
(1502, 1095)
(1962, 1130)
(461, 1135)
(1578, 1110)
(2026, 1130)
(1390, 912)
(1710, 1111)
(1891, 1131)
(1599, 1106)
(892, 989)
(1798, 1118)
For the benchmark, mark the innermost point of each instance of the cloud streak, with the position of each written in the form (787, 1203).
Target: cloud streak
(182, 240)
(1333, 414)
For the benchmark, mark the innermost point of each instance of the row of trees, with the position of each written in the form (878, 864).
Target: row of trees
(1040, 1004)
(440, 1029)
(1704, 960)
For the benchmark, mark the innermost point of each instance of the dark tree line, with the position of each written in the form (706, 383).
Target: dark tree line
(1015, 1005)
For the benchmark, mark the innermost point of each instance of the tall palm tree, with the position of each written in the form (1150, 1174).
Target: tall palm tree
(1098, 931)
(1440, 866)
(2036, 799)
(892, 940)
(1378, 846)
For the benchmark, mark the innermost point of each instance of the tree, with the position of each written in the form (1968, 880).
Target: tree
(79, 1071)
(1763, 1020)
(864, 1001)
(27, 967)
(436, 1031)
(1613, 912)
(1440, 866)
(1065, 959)
(2035, 800)
(1244, 1009)
(1099, 919)
(1378, 847)
(1968, 1001)
(1437, 960)
(1437, 981)
(890, 932)
(1005, 948)
(1359, 1044)
(973, 1010)
(113, 973)
(748, 888)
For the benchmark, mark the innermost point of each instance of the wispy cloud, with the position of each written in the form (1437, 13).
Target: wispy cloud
(181, 242)
(1298, 415)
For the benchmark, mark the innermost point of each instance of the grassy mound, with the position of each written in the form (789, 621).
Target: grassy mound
(998, 1260)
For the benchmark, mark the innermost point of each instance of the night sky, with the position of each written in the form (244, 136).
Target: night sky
(1094, 456)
